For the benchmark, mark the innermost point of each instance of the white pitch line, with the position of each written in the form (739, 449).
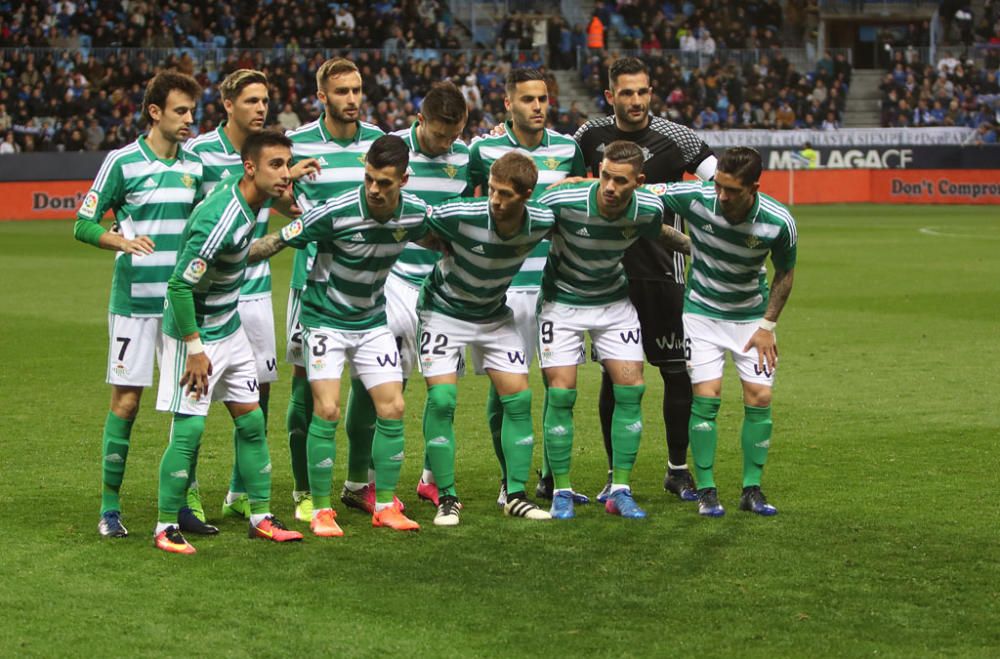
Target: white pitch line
(931, 231)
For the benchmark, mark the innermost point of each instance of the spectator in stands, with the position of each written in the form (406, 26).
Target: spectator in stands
(595, 32)
(830, 123)
(985, 134)
(785, 117)
(9, 145)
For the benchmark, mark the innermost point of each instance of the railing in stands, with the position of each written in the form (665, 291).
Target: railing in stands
(697, 60)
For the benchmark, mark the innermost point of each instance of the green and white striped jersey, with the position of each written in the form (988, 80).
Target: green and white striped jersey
(471, 281)
(213, 261)
(585, 266)
(557, 157)
(434, 179)
(342, 167)
(728, 277)
(345, 289)
(149, 197)
(220, 160)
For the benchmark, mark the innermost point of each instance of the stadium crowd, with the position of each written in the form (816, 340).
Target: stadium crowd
(951, 93)
(82, 90)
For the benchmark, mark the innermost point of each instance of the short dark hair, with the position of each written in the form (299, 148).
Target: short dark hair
(162, 84)
(238, 80)
(524, 74)
(332, 68)
(742, 162)
(444, 102)
(626, 152)
(257, 142)
(517, 169)
(626, 66)
(389, 151)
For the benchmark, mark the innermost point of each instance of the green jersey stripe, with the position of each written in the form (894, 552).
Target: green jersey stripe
(150, 197)
(345, 285)
(434, 179)
(585, 264)
(471, 281)
(341, 169)
(213, 262)
(220, 161)
(728, 273)
(556, 157)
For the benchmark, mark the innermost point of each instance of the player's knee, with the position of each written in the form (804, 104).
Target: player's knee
(443, 398)
(562, 398)
(757, 397)
(327, 410)
(676, 383)
(518, 406)
(394, 408)
(250, 426)
(125, 402)
(629, 394)
(705, 407)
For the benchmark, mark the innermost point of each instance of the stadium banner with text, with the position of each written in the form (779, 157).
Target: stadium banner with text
(41, 200)
(844, 137)
(883, 157)
(883, 186)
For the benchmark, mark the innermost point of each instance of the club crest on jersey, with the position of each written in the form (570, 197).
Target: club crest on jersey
(188, 181)
(450, 170)
(89, 206)
(194, 271)
(399, 234)
(361, 159)
(629, 233)
(753, 241)
(659, 189)
(291, 230)
(550, 162)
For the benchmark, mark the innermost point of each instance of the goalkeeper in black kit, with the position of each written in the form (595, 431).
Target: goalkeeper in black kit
(656, 275)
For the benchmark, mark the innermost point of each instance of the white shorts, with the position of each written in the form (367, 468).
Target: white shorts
(257, 318)
(133, 345)
(372, 354)
(443, 339)
(401, 299)
(233, 379)
(293, 329)
(614, 333)
(709, 339)
(523, 302)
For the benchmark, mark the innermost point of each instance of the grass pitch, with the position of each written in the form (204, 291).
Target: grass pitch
(883, 466)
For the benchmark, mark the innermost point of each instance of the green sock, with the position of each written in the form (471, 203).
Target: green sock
(235, 479)
(439, 435)
(756, 439)
(558, 434)
(494, 420)
(546, 469)
(359, 422)
(254, 460)
(626, 430)
(185, 437)
(518, 439)
(298, 418)
(321, 449)
(387, 452)
(114, 453)
(704, 436)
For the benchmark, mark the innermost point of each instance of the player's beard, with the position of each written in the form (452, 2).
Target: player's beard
(625, 117)
(339, 117)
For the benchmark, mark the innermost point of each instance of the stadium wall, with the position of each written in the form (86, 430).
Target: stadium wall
(48, 186)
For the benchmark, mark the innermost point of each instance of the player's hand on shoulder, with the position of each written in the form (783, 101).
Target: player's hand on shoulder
(498, 130)
(308, 167)
(140, 246)
(567, 181)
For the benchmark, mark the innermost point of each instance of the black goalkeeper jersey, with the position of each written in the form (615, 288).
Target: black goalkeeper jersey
(670, 149)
